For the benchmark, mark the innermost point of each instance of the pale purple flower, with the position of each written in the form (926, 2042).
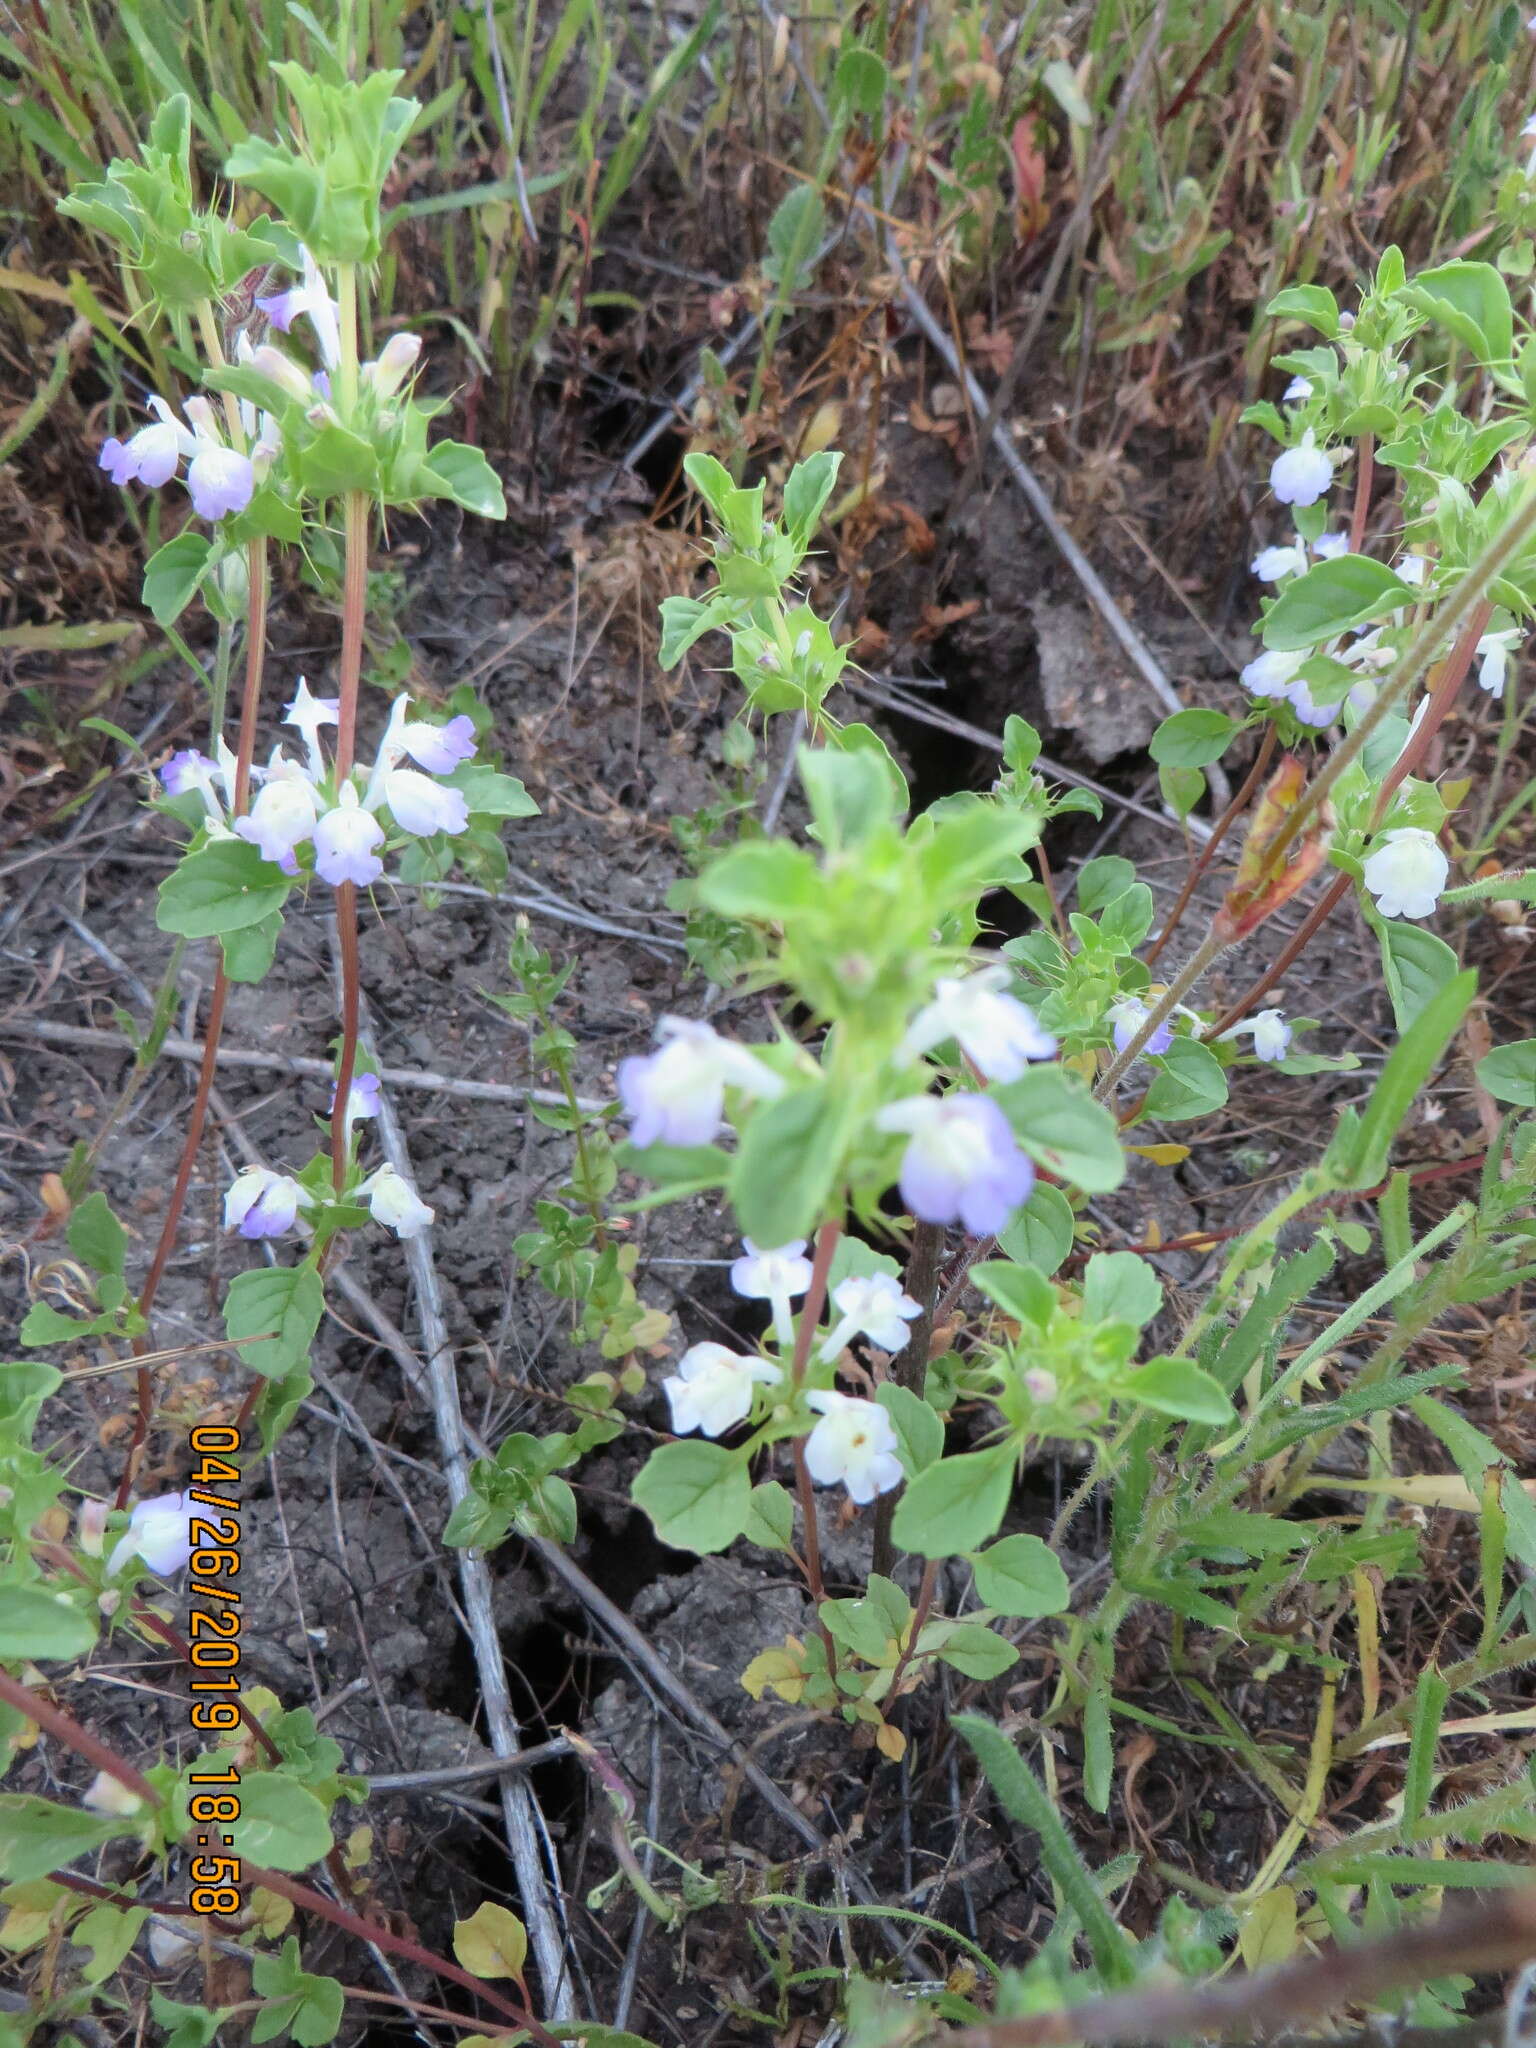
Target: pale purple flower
(712, 1389)
(1126, 1018)
(261, 1203)
(853, 1445)
(314, 302)
(1306, 707)
(1328, 545)
(1300, 475)
(962, 1163)
(186, 770)
(417, 803)
(152, 455)
(1298, 390)
(345, 839)
(676, 1095)
(362, 1097)
(283, 815)
(1406, 872)
(220, 479)
(1270, 674)
(160, 1532)
(439, 748)
(997, 1033)
(777, 1277)
(871, 1305)
(393, 1202)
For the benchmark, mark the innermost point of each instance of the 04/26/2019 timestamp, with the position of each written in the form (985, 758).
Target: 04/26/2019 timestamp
(215, 1643)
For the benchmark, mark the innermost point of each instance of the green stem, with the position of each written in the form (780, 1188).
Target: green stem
(1210, 950)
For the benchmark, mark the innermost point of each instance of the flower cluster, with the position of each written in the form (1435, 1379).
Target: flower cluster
(262, 1203)
(853, 1444)
(300, 803)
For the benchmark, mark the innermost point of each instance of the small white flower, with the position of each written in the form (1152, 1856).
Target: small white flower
(676, 1095)
(1297, 391)
(777, 1277)
(1327, 545)
(1270, 565)
(159, 1531)
(1412, 569)
(854, 1445)
(106, 1794)
(312, 299)
(1270, 1032)
(870, 1305)
(307, 714)
(393, 1202)
(997, 1033)
(962, 1163)
(1495, 650)
(1300, 475)
(1407, 872)
(1271, 673)
(711, 1391)
(346, 840)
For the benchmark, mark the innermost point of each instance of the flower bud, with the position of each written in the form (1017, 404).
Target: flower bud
(106, 1794)
(282, 370)
(395, 362)
(93, 1523)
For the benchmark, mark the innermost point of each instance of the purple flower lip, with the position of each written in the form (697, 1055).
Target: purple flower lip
(962, 1163)
(345, 839)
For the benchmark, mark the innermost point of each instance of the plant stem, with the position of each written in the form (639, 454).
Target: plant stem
(1210, 950)
(920, 1612)
(805, 1332)
(911, 1365)
(353, 610)
(1219, 832)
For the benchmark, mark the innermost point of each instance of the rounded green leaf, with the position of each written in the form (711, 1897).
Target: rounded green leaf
(1194, 738)
(955, 1505)
(1021, 1576)
(1175, 1387)
(282, 1824)
(35, 1623)
(1509, 1073)
(919, 1431)
(1041, 1234)
(1331, 597)
(698, 1496)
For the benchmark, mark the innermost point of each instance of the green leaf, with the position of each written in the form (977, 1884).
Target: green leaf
(956, 1505)
(467, 478)
(850, 794)
(790, 1157)
(1358, 1155)
(489, 792)
(248, 954)
(108, 1932)
(974, 1650)
(43, 1325)
(96, 1237)
(686, 619)
(1509, 1073)
(1310, 302)
(1041, 1234)
(712, 480)
(1193, 739)
(173, 574)
(1019, 1291)
(1021, 1576)
(35, 1623)
(765, 879)
(919, 1432)
(1190, 1081)
(36, 1836)
(794, 236)
(1175, 1387)
(1331, 597)
(281, 1824)
(810, 483)
(1119, 1287)
(281, 1306)
(1417, 966)
(1025, 1800)
(224, 887)
(1061, 1127)
(859, 81)
(1470, 300)
(698, 1496)
(294, 2001)
(770, 1517)
(187, 2026)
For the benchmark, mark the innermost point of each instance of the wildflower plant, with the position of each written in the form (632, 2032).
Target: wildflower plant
(908, 1152)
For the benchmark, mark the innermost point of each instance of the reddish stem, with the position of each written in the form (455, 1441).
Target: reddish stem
(255, 660)
(353, 610)
(1219, 832)
(810, 1316)
(64, 1728)
(920, 1612)
(1365, 469)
